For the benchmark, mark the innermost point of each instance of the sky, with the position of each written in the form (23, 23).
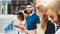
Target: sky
(0, 0)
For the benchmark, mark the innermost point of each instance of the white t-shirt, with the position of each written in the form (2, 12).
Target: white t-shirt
(58, 32)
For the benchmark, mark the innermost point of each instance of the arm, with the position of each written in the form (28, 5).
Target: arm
(17, 26)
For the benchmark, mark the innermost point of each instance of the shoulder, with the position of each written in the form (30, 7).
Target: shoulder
(35, 15)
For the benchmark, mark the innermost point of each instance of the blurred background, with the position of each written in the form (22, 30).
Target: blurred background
(14, 6)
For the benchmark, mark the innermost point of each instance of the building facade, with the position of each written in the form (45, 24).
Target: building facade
(18, 5)
(4, 6)
(13, 6)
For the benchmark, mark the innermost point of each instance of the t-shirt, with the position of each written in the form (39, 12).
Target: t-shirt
(58, 32)
(31, 21)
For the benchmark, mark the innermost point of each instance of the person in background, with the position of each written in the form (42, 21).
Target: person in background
(32, 19)
(22, 25)
(54, 13)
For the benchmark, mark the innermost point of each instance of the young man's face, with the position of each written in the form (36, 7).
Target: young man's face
(29, 8)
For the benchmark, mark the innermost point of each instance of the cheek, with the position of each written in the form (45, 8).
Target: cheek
(30, 8)
(58, 12)
(18, 18)
(41, 14)
(55, 19)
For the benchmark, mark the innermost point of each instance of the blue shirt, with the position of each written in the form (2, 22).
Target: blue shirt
(31, 21)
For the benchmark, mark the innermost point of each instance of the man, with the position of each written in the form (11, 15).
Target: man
(32, 19)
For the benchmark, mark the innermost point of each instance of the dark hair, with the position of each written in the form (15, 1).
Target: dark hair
(25, 12)
(21, 15)
(29, 3)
